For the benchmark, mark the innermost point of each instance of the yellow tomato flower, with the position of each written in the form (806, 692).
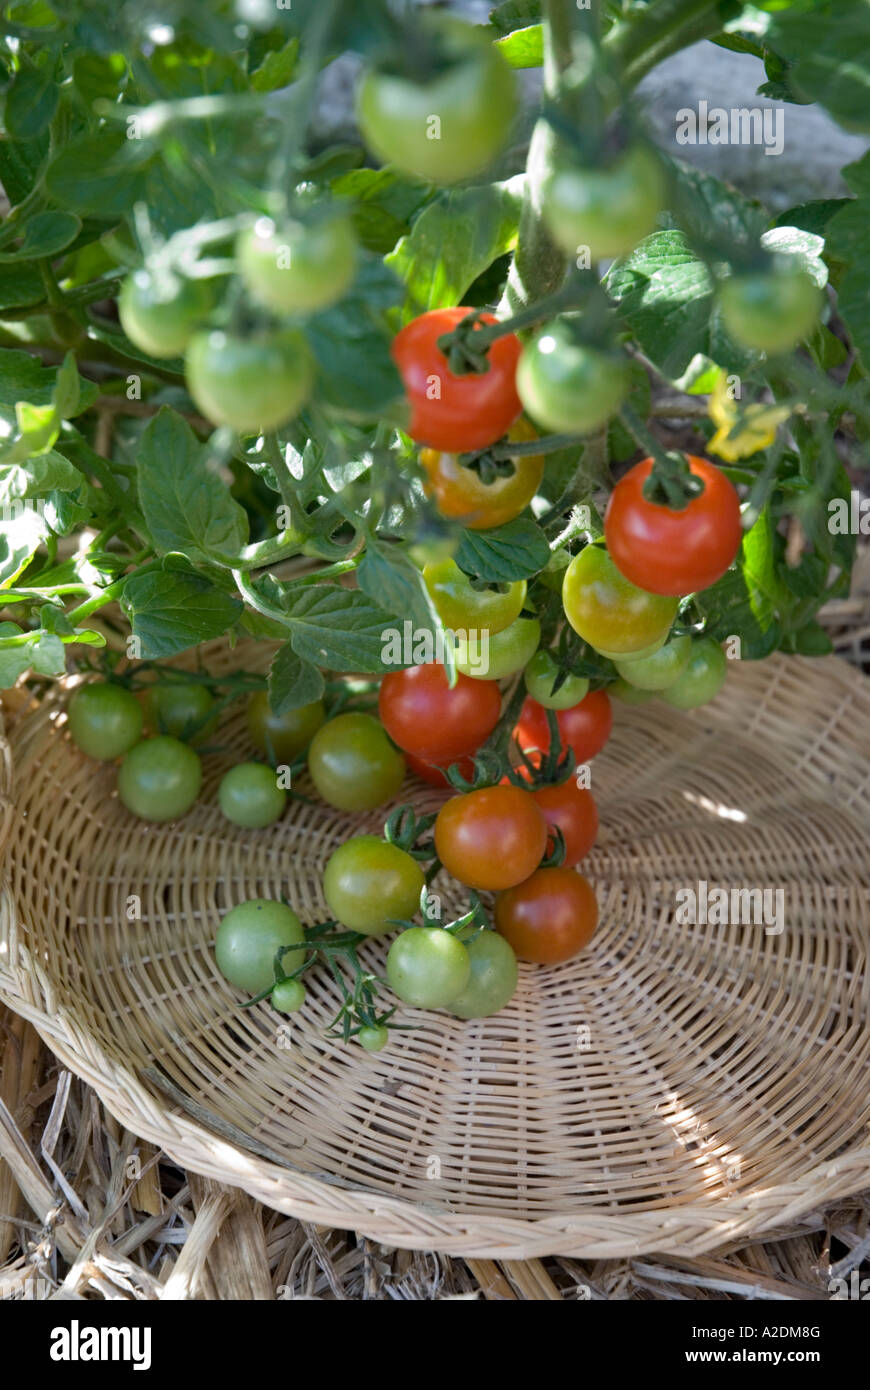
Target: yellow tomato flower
(740, 433)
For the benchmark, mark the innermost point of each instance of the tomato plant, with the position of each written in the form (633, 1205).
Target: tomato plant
(549, 917)
(451, 412)
(370, 884)
(491, 838)
(424, 716)
(584, 727)
(673, 552)
(353, 764)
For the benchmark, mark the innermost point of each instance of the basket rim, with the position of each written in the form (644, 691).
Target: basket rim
(401, 1222)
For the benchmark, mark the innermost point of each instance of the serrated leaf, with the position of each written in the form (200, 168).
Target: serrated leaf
(47, 655)
(277, 68)
(42, 474)
(186, 504)
(517, 550)
(351, 344)
(341, 629)
(293, 682)
(393, 581)
(172, 609)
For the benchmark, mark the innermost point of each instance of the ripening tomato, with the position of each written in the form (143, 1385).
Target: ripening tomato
(540, 677)
(613, 615)
(464, 607)
(425, 717)
(573, 810)
(548, 918)
(499, 654)
(673, 552)
(463, 413)
(491, 838)
(585, 728)
(352, 763)
(370, 884)
(436, 773)
(461, 494)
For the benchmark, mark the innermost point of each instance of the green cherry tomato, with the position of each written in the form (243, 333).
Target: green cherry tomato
(451, 126)
(540, 676)
(701, 679)
(493, 977)
(373, 1037)
(609, 210)
(180, 709)
(248, 939)
(369, 884)
(463, 607)
(104, 720)
(611, 613)
(250, 384)
(160, 312)
(568, 386)
(282, 736)
(353, 765)
(159, 779)
(770, 311)
(299, 267)
(249, 796)
(499, 654)
(428, 967)
(629, 694)
(660, 670)
(287, 996)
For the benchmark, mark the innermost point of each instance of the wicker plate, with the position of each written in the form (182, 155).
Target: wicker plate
(675, 1087)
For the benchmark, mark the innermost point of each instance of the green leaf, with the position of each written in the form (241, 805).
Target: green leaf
(338, 628)
(172, 609)
(98, 75)
(383, 204)
(293, 682)
(21, 163)
(665, 295)
(24, 379)
(98, 175)
(524, 48)
(40, 475)
(454, 240)
(185, 502)
(47, 655)
(810, 640)
(351, 344)
(712, 213)
(517, 550)
(277, 68)
(20, 285)
(393, 581)
(14, 661)
(847, 239)
(824, 51)
(31, 101)
(44, 235)
(744, 602)
(514, 14)
(807, 247)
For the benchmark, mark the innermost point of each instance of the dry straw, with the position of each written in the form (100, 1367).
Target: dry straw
(676, 1088)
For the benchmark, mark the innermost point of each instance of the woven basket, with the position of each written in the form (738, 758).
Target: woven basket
(675, 1087)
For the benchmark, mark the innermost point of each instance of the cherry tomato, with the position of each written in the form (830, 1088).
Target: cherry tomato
(463, 607)
(548, 918)
(159, 779)
(493, 978)
(299, 267)
(425, 717)
(369, 884)
(660, 670)
(248, 938)
(568, 386)
(500, 654)
(353, 765)
(461, 494)
(435, 773)
(250, 384)
(373, 1037)
(282, 736)
(249, 796)
(673, 552)
(180, 709)
(459, 414)
(702, 678)
(609, 210)
(491, 838)
(770, 311)
(451, 126)
(287, 996)
(629, 694)
(609, 612)
(104, 720)
(585, 728)
(159, 312)
(540, 677)
(428, 967)
(573, 810)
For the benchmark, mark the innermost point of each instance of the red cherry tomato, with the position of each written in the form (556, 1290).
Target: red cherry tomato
(456, 413)
(549, 917)
(435, 773)
(668, 552)
(424, 716)
(492, 838)
(585, 728)
(573, 810)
